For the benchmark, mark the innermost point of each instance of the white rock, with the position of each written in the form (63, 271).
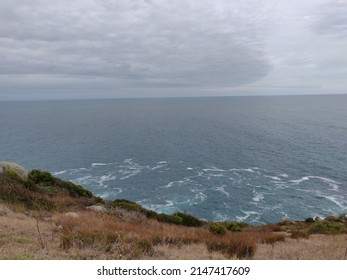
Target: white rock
(20, 170)
(72, 215)
(4, 210)
(97, 208)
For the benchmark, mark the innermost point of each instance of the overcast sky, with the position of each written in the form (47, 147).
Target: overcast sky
(62, 49)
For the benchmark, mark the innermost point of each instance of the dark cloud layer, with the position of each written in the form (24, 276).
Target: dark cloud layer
(331, 18)
(135, 43)
(92, 48)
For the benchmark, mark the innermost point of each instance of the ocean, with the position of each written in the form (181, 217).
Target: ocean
(251, 159)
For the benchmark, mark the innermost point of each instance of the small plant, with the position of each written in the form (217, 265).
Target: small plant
(309, 220)
(243, 247)
(128, 205)
(299, 234)
(327, 227)
(233, 226)
(41, 177)
(73, 189)
(272, 238)
(217, 229)
(170, 219)
(13, 174)
(189, 220)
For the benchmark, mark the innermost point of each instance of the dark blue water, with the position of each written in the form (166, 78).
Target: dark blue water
(256, 159)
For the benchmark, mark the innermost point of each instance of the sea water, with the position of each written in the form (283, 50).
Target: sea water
(252, 159)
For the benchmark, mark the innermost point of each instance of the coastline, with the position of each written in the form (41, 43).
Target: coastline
(44, 217)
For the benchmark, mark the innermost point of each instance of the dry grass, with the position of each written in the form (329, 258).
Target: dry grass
(13, 192)
(114, 236)
(316, 247)
(36, 227)
(139, 237)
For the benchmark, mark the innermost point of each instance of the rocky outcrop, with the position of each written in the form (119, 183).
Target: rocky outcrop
(21, 171)
(74, 215)
(97, 208)
(4, 210)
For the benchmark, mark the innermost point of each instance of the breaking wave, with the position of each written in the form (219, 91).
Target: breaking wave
(249, 194)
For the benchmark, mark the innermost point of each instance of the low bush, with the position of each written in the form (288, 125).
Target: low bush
(41, 177)
(177, 218)
(217, 229)
(73, 189)
(128, 205)
(309, 220)
(241, 246)
(299, 234)
(327, 227)
(272, 238)
(233, 226)
(170, 219)
(189, 220)
(13, 174)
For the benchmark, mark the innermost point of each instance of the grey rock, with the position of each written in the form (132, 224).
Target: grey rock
(4, 210)
(97, 208)
(20, 170)
(58, 228)
(72, 215)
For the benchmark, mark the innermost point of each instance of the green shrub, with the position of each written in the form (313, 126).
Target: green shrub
(151, 214)
(333, 219)
(217, 229)
(128, 205)
(98, 200)
(41, 177)
(170, 219)
(73, 189)
(13, 174)
(327, 227)
(309, 220)
(189, 220)
(233, 226)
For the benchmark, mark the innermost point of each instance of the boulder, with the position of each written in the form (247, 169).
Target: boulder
(72, 215)
(21, 171)
(97, 208)
(4, 210)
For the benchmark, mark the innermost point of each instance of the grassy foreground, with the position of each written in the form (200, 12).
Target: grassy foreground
(43, 217)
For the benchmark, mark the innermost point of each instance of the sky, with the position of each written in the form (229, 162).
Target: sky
(73, 49)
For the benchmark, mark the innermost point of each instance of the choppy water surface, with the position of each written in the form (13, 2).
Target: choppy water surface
(255, 159)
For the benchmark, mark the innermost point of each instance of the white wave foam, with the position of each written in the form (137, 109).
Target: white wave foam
(284, 175)
(189, 168)
(257, 196)
(247, 215)
(273, 177)
(337, 200)
(169, 185)
(199, 197)
(156, 207)
(98, 164)
(216, 175)
(248, 170)
(160, 164)
(222, 190)
(59, 172)
(107, 177)
(333, 184)
(213, 169)
(298, 181)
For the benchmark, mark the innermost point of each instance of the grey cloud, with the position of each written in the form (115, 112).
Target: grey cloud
(137, 43)
(331, 18)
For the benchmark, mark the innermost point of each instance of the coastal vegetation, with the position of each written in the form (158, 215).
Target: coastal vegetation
(44, 217)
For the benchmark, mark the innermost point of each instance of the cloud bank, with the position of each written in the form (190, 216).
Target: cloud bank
(91, 49)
